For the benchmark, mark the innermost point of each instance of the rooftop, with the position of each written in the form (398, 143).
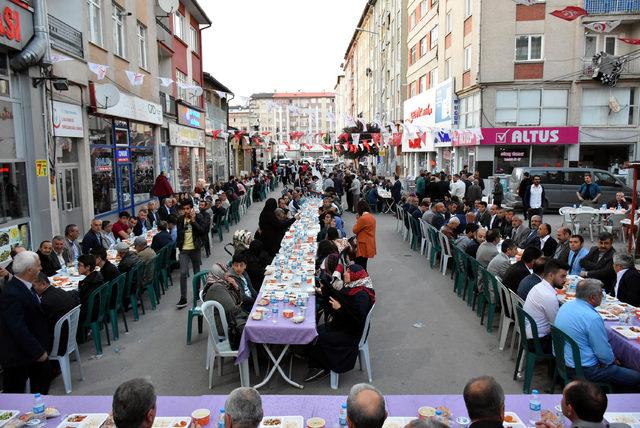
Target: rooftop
(304, 95)
(215, 83)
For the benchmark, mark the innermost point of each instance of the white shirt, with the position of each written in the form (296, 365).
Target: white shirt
(535, 199)
(457, 188)
(542, 304)
(60, 259)
(544, 241)
(619, 276)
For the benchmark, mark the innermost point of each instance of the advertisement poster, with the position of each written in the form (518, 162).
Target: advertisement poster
(10, 236)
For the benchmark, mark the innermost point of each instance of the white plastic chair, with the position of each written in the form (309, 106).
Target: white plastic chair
(73, 318)
(507, 317)
(583, 220)
(363, 352)
(446, 252)
(567, 219)
(398, 219)
(515, 301)
(616, 225)
(425, 238)
(220, 345)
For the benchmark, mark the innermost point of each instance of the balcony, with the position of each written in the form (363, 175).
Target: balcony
(629, 69)
(605, 7)
(163, 33)
(65, 38)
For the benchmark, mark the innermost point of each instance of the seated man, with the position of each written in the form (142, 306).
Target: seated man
(488, 249)
(542, 302)
(501, 262)
(92, 281)
(162, 238)
(577, 252)
(243, 408)
(147, 256)
(619, 203)
(365, 407)
(128, 259)
(465, 239)
(450, 229)
(519, 270)
(121, 228)
(627, 288)
(108, 270)
(478, 238)
(533, 279)
(134, 404)
(579, 319)
(584, 404)
(93, 238)
(484, 399)
(547, 244)
(598, 263)
(49, 263)
(240, 277)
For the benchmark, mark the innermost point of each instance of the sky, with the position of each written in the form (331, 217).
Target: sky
(278, 45)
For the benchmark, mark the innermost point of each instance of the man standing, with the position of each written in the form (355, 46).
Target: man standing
(421, 184)
(355, 191)
(93, 238)
(338, 187)
(190, 231)
(598, 263)
(534, 197)
(71, 234)
(24, 332)
(328, 183)
(627, 279)
(474, 192)
(457, 187)
(484, 399)
(365, 407)
(589, 193)
(522, 189)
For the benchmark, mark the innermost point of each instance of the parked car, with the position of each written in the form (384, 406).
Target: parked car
(561, 185)
(284, 162)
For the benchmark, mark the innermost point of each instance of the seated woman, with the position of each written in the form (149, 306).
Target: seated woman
(336, 347)
(92, 281)
(326, 218)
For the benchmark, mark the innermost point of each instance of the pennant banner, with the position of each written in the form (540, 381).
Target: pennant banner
(630, 40)
(56, 58)
(569, 13)
(136, 79)
(165, 82)
(100, 70)
(602, 26)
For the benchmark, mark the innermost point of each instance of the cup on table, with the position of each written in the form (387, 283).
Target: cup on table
(201, 416)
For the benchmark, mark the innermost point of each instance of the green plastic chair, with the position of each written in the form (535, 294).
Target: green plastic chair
(560, 342)
(158, 267)
(131, 290)
(474, 273)
(198, 279)
(149, 287)
(416, 233)
(98, 299)
(523, 352)
(165, 272)
(486, 302)
(460, 270)
(436, 248)
(118, 286)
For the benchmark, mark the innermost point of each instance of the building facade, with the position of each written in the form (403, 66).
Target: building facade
(217, 115)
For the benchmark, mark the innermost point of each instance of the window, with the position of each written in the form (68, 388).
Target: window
(119, 35)
(509, 157)
(178, 25)
(528, 48)
(412, 54)
(412, 20)
(610, 45)
(193, 39)
(423, 46)
(423, 8)
(13, 192)
(532, 107)
(95, 21)
(468, 8)
(590, 45)
(412, 89)
(599, 105)
(434, 37)
(142, 45)
(467, 58)
(181, 78)
(5, 86)
(447, 69)
(470, 111)
(447, 23)
(433, 77)
(423, 84)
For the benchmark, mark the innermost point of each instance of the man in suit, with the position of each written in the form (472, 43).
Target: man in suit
(438, 219)
(108, 270)
(483, 217)
(495, 222)
(93, 238)
(627, 287)
(518, 271)
(152, 212)
(6, 274)
(24, 331)
(71, 234)
(619, 203)
(519, 231)
(507, 223)
(60, 251)
(167, 209)
(396, 190)
(162, 238)
(143, 225)
(530, 239)
(546, 242)
(48, 262)
(562, 250)
(484, 399)
(598, 263)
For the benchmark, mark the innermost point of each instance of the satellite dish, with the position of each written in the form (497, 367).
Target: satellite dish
(168, 6)
(106, 95)
(197, 91)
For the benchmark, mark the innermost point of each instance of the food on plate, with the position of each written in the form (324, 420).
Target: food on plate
(425, 412)
(76, 418)
(263, 302)
(4, 238)
(616, 310)
(51, 412)
(272, 422)
(622, 419)
(292, 424)
(550, 417)
(257, 315)
(446, 412)
(180, 424)
(315, 423)
(635, 329)
(509, 419)
(391, 424)
(298, 319)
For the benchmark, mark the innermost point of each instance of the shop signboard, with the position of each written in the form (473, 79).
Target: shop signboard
(16, 24)
(185, 136)
(123, 156)
(530, 136)
(129, 107)
(190, 117)
(66, 120)
(9, 237)
(446, 112)
(103, 164)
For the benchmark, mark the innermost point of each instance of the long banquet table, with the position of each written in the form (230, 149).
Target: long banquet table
(308, 406)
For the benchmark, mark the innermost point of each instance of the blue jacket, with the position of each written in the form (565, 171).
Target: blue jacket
(594, 190)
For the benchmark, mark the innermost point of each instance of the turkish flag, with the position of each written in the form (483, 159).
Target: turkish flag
(265, 133)
(376, 138)
(569, 13)
(367, 146)
(286, 143)
(216, 133)
(396, 140)
(324, 146)
(630, 40)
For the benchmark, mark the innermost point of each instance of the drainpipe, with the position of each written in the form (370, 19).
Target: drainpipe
(228, 148)
(38, 48)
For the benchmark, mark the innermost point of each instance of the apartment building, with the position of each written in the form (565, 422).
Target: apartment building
(241, 155)
(216, 97)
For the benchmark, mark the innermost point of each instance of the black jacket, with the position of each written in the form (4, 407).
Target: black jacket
(137, 229)
(109, 271)
(550, 246)
(50, 264)
(163, 214)
(438, 221)
(629, 287)
(55, 304)
(86, 287)
(497, 223)
(271, 228)
(161, 239)
(24, 330)
(197, 228)
(526, 200)
(91, 241)
(484, 218)
(514, 274)
(602, 270)
(563, 252)
(396, 191)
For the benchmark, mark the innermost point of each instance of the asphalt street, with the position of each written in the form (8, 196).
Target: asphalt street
(424, 340)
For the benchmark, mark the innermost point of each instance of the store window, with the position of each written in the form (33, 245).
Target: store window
(103, 179)
(5, 88)
(532, 107)
(548, 156)
(65, 152)
(184, 168)
(609, 106)
(509, 157)
(7, 131)
(143, 178)
(13, 192)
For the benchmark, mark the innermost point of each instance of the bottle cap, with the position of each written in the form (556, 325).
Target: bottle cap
(344, 405)
(36, 395)
(535, 391)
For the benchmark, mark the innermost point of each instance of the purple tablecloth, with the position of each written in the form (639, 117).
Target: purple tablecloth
(626, 350)
(282, 332)
(308, 406)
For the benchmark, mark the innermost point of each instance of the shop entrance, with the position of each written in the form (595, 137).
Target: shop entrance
(69, 205)
(124, 181)
(605, 156)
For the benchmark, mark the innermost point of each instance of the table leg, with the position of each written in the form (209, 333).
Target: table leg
(276, 366)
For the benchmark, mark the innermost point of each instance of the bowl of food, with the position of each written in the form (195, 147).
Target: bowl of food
(257, 315)
(315, 423)
(426, 412)
(201, 416)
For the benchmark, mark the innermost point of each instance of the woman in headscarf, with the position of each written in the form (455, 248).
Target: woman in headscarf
(272, 229)
(336, 348)
(257, 261)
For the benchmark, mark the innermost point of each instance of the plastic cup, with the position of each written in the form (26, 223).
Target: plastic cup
(201, 416)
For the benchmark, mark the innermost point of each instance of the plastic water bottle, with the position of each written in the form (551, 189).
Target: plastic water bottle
(438, 416)
(342, 419)
(221, 418)
(534, 408)
(38, 407)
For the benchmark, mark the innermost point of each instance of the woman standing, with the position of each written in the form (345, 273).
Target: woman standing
(365, 230)
(162, 188)
(271, 228)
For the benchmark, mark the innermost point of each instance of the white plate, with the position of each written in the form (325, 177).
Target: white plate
(171, 422)
(397, 421)
(92, 420)
(625, 331)
(285, 422)
(517, 421)
(14, 413)
(632, 419)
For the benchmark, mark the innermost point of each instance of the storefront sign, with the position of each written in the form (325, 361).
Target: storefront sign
(446, 105)
(530, 136)
(16, 24)
(11, 236)
(466, 137)
(103, 165)
(130, 107)
(185, 136)
(513, 155)
(122, 156)
(42, 168)
(418, 110)
(190, 117)
(66, 120)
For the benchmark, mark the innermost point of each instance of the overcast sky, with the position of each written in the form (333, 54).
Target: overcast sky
(278, 45)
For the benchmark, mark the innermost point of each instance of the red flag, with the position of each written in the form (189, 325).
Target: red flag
(256, 141)
(216, 133)
(630, 40)
(286, 143)
(265, 133)
(376, 138)
(324, 146)
(366, 145)
(569, 13)
(396, 139)
(344, 136)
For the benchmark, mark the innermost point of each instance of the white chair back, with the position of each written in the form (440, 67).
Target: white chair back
(515, 300)
(209, 309)
(423, 227)
(73, 318)
(505, 300)
(365, 331)
(444, 243)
